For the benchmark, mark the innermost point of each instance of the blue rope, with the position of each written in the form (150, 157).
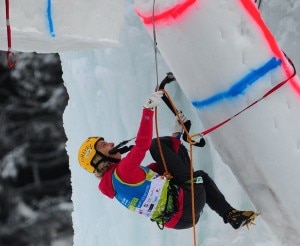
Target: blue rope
(49, 16)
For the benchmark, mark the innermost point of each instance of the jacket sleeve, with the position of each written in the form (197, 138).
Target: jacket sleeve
(128, 168)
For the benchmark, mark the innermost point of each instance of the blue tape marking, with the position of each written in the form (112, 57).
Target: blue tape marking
(49, 16)
(241, 86)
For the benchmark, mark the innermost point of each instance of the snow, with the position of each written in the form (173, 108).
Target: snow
(253, 158)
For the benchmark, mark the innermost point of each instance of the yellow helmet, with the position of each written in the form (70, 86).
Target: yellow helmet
(87, 152)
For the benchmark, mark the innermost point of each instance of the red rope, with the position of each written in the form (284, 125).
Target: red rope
(9, 55)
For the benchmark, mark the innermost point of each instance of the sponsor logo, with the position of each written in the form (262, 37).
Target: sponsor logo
(151, 207)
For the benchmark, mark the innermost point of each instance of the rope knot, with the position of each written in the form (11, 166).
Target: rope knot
(167, 175)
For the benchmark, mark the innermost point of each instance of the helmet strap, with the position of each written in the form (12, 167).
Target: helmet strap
(104, 159)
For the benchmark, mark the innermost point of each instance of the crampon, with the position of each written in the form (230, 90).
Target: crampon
(238, 218)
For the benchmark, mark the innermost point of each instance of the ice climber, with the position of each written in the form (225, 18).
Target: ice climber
(144, 190)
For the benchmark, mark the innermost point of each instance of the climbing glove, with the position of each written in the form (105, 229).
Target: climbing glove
(153, 100)
(177, 127)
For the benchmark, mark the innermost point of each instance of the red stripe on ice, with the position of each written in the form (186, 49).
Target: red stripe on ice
(171, 13)
(254, 13)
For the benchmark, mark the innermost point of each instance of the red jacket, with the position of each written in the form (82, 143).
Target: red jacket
(128, 169)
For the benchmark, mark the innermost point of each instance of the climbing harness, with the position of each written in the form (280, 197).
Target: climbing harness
(166, 174)
(170, 207)
(9, 54)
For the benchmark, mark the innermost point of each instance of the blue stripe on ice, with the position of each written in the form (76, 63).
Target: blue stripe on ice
(241, 86)
(49, 16)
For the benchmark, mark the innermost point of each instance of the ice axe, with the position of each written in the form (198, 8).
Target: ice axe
(168, 79)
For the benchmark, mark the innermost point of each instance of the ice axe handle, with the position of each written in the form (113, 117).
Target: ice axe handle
(168, 79)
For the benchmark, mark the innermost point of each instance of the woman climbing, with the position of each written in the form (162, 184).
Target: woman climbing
(145, 189)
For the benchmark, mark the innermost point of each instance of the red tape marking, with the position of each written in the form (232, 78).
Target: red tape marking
(171, 13)
(254, 13)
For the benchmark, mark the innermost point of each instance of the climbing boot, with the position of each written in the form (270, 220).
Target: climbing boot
(238, 218)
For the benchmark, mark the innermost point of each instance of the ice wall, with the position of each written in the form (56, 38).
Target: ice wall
(247, 63)
(56, 26)
(107, 87)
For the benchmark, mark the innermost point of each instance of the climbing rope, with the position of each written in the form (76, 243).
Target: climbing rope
(169, 176)
(154, 42)
(166, 173)
(9, 54)
(193, 193)
(191, 143)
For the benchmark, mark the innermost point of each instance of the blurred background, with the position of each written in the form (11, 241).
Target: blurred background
(35, 188)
